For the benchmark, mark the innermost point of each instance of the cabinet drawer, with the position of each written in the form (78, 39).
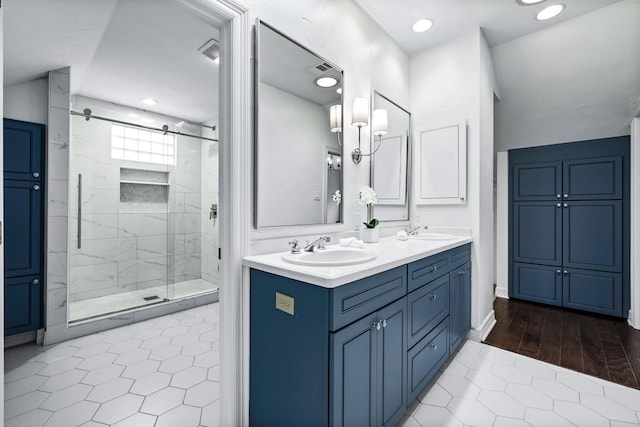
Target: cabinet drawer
(426, 357)
(425, 270)
(357, 299)
(461, 255)
(428, 306)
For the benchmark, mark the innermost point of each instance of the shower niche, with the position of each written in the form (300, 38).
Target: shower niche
(143, 190)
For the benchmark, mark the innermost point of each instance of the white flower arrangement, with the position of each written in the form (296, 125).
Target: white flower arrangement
(368, 197)
(337, 197)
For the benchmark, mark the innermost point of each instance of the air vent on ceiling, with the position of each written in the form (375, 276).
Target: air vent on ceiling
(211, 49)
(320, 69)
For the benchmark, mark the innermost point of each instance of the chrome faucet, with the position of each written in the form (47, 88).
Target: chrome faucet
(317, 244)
(415, 230)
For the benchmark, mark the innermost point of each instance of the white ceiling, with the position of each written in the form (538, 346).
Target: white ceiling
(119, 51)
(124, 50)
(500, 20)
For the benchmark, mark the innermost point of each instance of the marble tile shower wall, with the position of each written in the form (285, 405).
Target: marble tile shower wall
(124, 250)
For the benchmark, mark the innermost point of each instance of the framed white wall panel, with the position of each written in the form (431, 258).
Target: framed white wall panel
(389, 170)
(441, 164)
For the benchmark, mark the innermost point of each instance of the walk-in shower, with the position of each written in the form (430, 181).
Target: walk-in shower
(143, 198)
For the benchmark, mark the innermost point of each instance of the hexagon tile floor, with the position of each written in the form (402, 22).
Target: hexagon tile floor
(488, 386)
(164, 372)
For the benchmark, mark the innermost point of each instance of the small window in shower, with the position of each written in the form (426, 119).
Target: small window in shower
(141, 145)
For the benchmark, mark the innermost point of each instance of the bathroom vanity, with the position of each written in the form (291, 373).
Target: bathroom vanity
(354, 345)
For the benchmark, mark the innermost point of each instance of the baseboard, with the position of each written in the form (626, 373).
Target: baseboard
(19, 339)
(485, 328)
(502, 292)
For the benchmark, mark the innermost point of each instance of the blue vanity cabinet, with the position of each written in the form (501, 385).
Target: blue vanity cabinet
(460, 296)
(357, 354)
(368, 369)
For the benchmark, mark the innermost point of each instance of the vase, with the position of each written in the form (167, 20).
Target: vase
(370, 235)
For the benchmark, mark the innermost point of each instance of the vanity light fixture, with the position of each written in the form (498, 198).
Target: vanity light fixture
(549, 12)
(379, 125)
(335, 120)
(422, 25)
(325, 81)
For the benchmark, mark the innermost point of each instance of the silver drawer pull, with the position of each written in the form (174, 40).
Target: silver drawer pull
(36, 174)
(36, 187)
(433, 297)
(35, 281)
(384, 323)
(434, 346)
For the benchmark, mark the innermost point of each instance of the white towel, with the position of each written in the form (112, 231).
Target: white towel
(352, 242)
(402, 235)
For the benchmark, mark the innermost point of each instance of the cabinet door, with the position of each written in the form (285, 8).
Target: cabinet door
(594, 291)
(538, 283)
(592, 235)
(23, 304)
(537, 181)
(23, 147)
(537, 228)
(23, 228)
(392, 363)
(353, 365)
(593, 179)
(460, 300)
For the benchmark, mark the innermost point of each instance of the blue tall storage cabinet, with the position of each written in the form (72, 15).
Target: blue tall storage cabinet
(23, 225)
(569, 221)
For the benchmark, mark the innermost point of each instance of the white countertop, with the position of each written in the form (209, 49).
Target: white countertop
(390, 252)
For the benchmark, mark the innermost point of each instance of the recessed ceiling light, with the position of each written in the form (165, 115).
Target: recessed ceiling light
(149, 101)
(549, 12)
(422, 25)
(528, 2)
(326, 81)
(339, 90)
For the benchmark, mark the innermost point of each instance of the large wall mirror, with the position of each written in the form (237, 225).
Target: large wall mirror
(390, 165)
(298, 158)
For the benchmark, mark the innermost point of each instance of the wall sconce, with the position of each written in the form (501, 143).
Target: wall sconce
(379, 125)
(360, 118)
(335, 120)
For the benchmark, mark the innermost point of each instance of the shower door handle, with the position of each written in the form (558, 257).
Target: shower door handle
(79, 211)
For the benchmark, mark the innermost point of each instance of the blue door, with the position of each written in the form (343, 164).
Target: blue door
(537, 181)
(593, 179)
(23, 216)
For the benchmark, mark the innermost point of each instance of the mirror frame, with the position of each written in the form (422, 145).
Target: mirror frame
(409, 162)
(256, 120)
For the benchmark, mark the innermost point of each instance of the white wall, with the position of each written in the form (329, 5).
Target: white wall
(449, 82)
(27, 101)
(342, 33)
(570, 82)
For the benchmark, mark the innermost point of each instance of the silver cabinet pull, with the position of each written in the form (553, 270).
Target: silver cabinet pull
(36, 174)
(36, 187)
(384, 323)
(566, 196)
(566, 272)
(558, 196)
(79, 211)
(566, 205)
(377, 325)
(433, 297)
(559, 205)
(35, 281)
(434, 346)
(558, 272)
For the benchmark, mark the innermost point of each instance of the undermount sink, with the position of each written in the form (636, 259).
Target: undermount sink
(433, 236)
(330, 257)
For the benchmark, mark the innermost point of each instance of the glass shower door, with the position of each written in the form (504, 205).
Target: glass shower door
(119, 205)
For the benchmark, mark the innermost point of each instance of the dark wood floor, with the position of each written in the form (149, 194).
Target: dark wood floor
(602, 346)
